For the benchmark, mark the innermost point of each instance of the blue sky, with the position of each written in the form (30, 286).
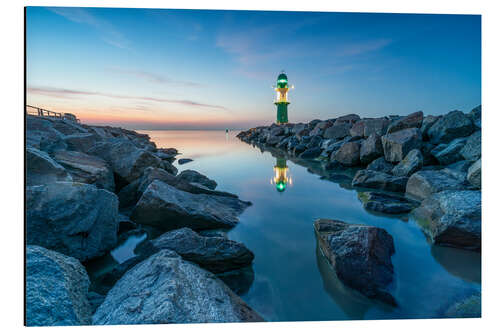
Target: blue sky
(158, 68)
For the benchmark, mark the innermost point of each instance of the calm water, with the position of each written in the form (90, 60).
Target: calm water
(292, 280)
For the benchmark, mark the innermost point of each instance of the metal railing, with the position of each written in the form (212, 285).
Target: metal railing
(39, 112)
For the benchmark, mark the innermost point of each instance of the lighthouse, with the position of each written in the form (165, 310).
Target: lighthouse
(282, 102)
(281, 178)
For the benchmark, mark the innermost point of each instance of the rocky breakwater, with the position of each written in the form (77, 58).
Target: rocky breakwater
(89, 186)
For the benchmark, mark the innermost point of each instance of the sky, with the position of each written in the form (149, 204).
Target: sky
(206, 69)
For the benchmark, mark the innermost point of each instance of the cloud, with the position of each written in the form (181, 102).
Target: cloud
(70, 93)
(352, 49)
(109, 33)
(152, 77)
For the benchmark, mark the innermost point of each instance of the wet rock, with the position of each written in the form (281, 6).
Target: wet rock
(315, 142)
(379, 180)
(74, 219)
(283, 144)
(348, 154)
(413, 120)
(82, 142)
(469, 307)
(475, 116)
(474, 174)
(42, 169)
(396, 145)
(360, 256)
(184, 160)
(371, 149)
(347, 119)
(423, 184)
(56, 289)
(450, 126)
(452, 218)
(166, 289)
(300, 148)
(294, 142)
(472, 148)
(386, 203)
(380, 164)
(196, 178)
(87, 169)
(412, 162)
(450, 153)
(337, 131)
(311, 153)
(164, 206)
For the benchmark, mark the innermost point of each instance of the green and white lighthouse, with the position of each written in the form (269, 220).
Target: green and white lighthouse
(282, 102)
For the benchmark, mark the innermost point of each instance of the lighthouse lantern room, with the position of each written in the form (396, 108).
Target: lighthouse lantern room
(282, 101)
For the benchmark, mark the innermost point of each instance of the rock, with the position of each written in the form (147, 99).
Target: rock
(451, 126)
(371, 149)
(379, 180)
(469, 307)
(41, 134)
(95, 300)
(56, 289)
(380, 164)
(358, 129)
(448, 154)
(125, 158)
(376, 126)
(320, 127)
(312, 124)
(360, 256)
(474, 174)
(426, 124)
(74, 219)
(283, 144)
(347, 119)
(412, 162)
(164, 206)
(166, 289)
(413, 120)
(294, 142)
(299, 149)
(472, 148)
(299, 135)
(197, 178)
(396, 145)
(86, 168)
(338, 131)
(452, 218)
(311, 153)
(461, 166)
(42, 169)
(277, 131)
(348, 154)
(297, 128)
(82, 142)
(385, 203)
(184, 160)
(422, 184)
(315, 142)
(475, 116)
(215, 254)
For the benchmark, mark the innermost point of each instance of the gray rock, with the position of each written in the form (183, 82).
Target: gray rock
(82, 142)
(283, 144)
(423, 184)
(451, 126)
(297, 128)
(315, 142)
(474, 174)
(472, 148)
(95, 300)
(360, 256)
(164, 206)
(371, 149)
(277, 131)
(452, 218)
(450, 153)
(348, 154)
(426, 124)
(41, 134)
(396, 145)
(461, 166)
(75, 219)
(292, 143)
(376, 126)
(184, 160)
(86, 168)
(166, 289)
(469, 307)
(299, 149)
(42, 169)
(475, 116)
(379, 180)
(358, 129)
(196, 178)
(338, 131)
(347, 119)
(412, 162)
(320, 127)
(380, 164)
(386, 203)
(311, 153)
(56, 289)
(410, 121)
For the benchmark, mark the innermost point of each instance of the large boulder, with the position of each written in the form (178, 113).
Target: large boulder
(475, 116)
(472, 148)
(396, 145)
(380, 164)
(348, 154)
(379, 180)
(358, 129)
(347, 119)
(125, 158)
(376, 126)
(422, 184)
(87, 169)
(166, 289)
(412, 162)
(81, 142)
(164, 206)
(385, 203)
(452, 218)
(196, 178)
(56, 289)
(337, 132)
(75, 219)
(311, 153)
(42, 169)
(41, 134)
(426, 124)
(449, 153)
(451, 126)
(474, 174)
(360, 256)
(412, 120)
(370, 149)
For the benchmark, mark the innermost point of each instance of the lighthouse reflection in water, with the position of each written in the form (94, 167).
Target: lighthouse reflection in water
(281, 177)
